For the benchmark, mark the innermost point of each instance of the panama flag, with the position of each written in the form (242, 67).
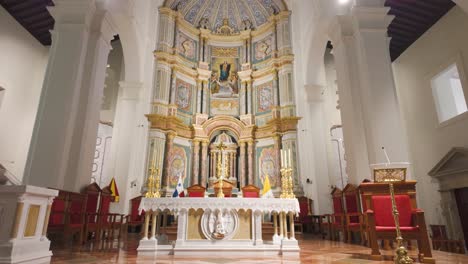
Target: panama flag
(179, 190)
(267, 192)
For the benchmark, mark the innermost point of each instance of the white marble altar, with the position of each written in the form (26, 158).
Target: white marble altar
(226, 225)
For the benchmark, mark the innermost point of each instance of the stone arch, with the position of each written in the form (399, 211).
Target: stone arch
(230, 123)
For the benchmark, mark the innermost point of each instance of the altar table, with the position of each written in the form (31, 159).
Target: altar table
(220, 226)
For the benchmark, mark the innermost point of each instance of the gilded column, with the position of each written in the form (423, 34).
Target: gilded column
(242, 163)
(204, 163)
(250, 153)
(169, 143)
(196, 161)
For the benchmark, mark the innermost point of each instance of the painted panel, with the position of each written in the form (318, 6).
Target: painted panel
(184, 93)
(263, 49)
(265, 97)
(179, 165)
(187, 47)
(267, 165)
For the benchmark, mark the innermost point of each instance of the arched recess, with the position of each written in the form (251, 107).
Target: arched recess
(230, 123)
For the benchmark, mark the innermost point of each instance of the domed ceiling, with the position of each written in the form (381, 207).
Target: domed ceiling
(255, 12)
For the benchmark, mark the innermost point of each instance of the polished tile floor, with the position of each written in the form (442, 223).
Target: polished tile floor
(313, 250)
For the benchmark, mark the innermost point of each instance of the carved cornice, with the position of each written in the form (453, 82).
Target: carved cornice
(277, 125)
(170, 123)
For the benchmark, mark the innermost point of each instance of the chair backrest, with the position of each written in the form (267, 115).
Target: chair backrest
(337, 197)
(370, 189)
(383, 211)
(196, 191)
(227, 188)
(59, 205)
(134, 205)
(250, 191)
(439, 232)
(77, 207)
(352, 203)
(92, 191)
(104, 205)
(305, 205)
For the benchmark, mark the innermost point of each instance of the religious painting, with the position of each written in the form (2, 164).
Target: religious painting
(263, 49)
(224, 82)
(186, 47)
(225, 107)
(178, 165)
(267, 165)
(183, 96)
(265, 97)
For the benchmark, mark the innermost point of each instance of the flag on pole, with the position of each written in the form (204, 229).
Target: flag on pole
(267, 192)
(179, 190)
(114, 190)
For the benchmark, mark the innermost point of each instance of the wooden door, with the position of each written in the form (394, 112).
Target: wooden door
(461, 196)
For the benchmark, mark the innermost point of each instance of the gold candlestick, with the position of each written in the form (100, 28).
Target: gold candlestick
(150, 184)
(401, 253)
(221, 166)
(157, 185)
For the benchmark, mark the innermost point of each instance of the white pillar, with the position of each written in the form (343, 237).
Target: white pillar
(368, 99)
(124, 132)
(64, 137)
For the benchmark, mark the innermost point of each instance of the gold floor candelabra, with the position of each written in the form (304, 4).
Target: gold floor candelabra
(401, 253)
(153, 184)
(287, 185)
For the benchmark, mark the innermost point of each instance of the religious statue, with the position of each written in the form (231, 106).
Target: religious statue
(219, 231)
(204, 23)
(246, 24)
(225, 29)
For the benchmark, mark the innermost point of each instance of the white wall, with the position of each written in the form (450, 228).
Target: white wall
(23, 61)
(428, 142)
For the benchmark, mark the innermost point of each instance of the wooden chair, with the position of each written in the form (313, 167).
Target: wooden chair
(250, 191)
(134, 220)
(93, 192)
(67, 216)
(440, 241)
(196, 191)
(227, 188)
(330, 223)
(111, 222)
(305, 215)
(381, 224)
(354, 218)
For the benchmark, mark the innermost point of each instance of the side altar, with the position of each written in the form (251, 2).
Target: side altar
(220, 226)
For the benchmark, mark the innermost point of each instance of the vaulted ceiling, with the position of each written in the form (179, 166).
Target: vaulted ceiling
(412, 17)
(255, 11)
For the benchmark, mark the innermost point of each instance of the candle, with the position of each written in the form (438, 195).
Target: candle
(154, 152)
(289, 158)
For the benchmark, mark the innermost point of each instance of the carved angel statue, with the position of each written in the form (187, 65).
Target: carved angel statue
(246, 25)
(204, 23)
(220, 231)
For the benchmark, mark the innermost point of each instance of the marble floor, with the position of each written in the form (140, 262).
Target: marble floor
(313, 250)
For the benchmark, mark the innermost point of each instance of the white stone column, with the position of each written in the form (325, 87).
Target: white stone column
(368, 99)
(196, 162)
(258, 227)
(64, 137)
(124, 132)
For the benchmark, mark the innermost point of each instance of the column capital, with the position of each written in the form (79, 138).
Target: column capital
(170, 135)
(73, 11)
(340, 28)
(371, 15)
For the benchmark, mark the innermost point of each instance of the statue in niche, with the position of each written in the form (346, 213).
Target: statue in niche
(246, 24)
(204, 23)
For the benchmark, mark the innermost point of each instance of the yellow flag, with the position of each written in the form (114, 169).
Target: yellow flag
(114, 190)
(267, 188)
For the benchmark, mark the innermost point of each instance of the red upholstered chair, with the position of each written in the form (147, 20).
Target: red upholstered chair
(334, 222)
(381, 224)
(354, 217)
(196, 191)
(250, 191)
(67, 215)
(93, 192)
(134, 219)
(305, 215)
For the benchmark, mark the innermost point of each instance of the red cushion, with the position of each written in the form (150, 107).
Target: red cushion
(338, 205)
(250, 194)
(196, 194)
(392, 228)
(56, 216)
(384, 214)
(354, 224)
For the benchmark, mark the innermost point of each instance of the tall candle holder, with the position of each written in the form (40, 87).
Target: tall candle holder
(221, 167)
(287, 184)
(150, 184)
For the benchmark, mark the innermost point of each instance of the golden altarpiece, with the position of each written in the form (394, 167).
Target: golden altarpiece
(222, 77)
